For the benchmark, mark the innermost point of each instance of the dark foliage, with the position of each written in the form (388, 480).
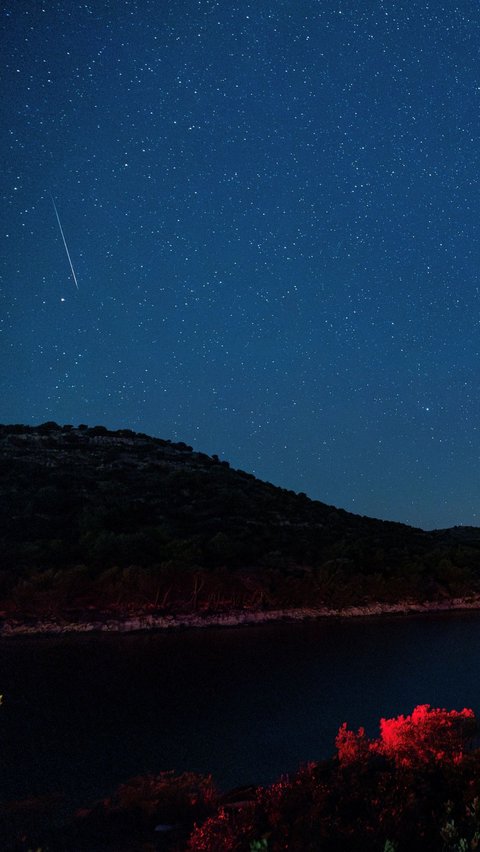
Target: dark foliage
(90, 517)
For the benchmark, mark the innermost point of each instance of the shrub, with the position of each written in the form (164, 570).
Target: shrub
(409, 790)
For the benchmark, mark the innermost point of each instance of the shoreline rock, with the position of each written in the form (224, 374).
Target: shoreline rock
(234, 618)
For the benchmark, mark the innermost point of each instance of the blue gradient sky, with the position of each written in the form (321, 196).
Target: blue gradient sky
(272, 209)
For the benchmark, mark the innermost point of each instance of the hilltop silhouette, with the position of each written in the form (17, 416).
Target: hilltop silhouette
(92, 518)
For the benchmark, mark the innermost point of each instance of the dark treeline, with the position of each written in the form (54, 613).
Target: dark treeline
(119, 521)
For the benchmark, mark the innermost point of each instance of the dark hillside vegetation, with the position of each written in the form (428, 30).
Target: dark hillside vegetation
(91, 518)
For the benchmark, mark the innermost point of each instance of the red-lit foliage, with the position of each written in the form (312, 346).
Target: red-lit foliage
(351, 746)
(417, 786)
(222, 832)
(413, 786)
(426, 735)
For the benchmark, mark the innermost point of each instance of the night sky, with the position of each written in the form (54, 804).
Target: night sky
(272, 212)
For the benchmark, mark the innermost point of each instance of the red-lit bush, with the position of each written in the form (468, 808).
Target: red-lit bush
(222, 832)
(426, 735)
(352, 747)
(413, 786)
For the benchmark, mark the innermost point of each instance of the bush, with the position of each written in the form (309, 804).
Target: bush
(413, 789)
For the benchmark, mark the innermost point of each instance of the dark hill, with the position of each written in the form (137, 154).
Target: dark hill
(90, 517)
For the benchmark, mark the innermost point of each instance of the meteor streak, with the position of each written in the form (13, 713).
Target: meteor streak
(64, 241)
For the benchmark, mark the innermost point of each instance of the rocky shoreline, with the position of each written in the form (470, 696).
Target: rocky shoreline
(12, 627)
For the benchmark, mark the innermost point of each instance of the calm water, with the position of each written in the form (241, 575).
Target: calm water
(83, 714)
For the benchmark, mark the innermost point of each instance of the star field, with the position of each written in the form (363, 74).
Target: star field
(272, 209)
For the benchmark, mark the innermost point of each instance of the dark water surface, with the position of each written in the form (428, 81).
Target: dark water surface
(82, 714)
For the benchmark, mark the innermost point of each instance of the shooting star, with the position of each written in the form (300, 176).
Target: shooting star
(64, 241)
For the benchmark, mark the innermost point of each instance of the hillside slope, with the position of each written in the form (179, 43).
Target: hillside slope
(93, 518)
